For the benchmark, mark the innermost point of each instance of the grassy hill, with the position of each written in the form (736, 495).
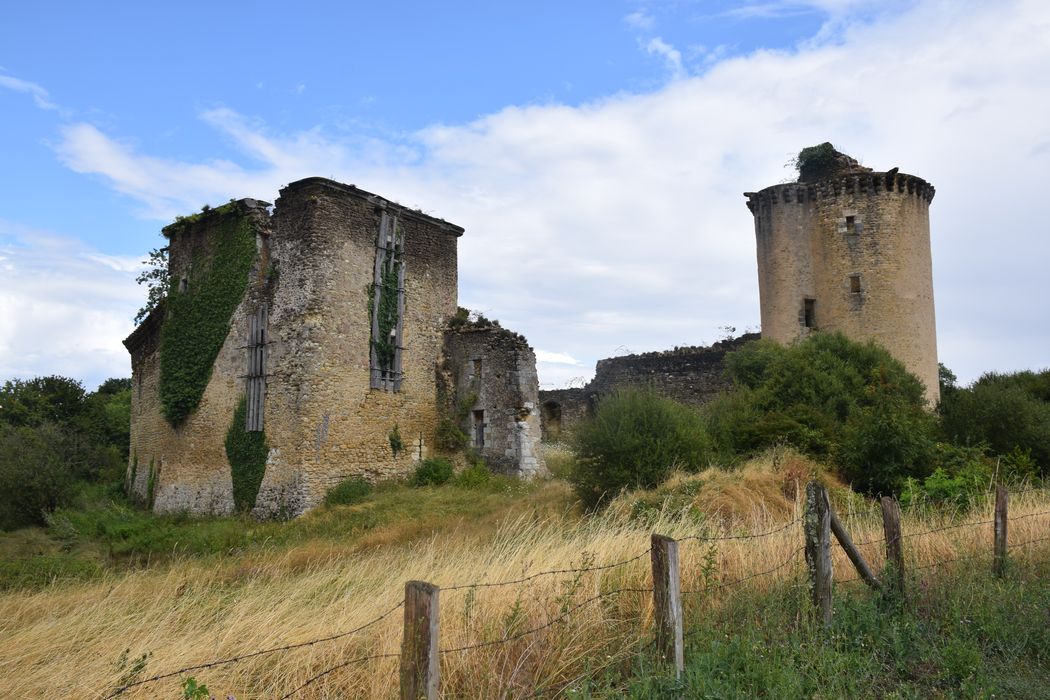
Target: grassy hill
(107, 594)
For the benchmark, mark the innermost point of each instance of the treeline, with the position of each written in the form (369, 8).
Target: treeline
(54, 435)
(850, 405)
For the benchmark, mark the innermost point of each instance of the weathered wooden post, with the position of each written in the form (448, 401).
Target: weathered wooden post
(891, 529)
(852, 552)
(818, 547)
(1001, 498)
(420, 667)
(667, 601)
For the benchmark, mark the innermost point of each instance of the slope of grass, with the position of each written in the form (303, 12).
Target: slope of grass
(959, 634)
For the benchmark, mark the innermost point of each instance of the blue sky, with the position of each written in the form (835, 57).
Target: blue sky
(596, 152)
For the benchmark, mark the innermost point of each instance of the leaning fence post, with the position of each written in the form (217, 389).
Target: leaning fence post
(1001, 499)
(420, 668)
(891, 529)
(818, 547)
(667, 601)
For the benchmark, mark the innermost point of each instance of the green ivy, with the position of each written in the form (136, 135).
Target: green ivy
(396, 444)
(246, 452)
(198, 320)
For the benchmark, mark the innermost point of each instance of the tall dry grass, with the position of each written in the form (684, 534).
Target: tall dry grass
(66, 641)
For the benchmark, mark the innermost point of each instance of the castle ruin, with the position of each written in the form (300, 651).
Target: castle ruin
(314, 345)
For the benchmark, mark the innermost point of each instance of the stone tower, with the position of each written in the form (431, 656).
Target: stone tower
(848, 249)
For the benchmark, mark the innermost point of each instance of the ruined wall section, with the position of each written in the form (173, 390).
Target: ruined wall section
(859, 246)
(690, 375)
(190, 471)
(324, 421)
(494, 372)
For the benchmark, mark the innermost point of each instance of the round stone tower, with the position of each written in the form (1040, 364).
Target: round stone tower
(847, 249)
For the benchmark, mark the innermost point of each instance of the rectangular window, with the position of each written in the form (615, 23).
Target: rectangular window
(479, 428)
(851, 225)
(810, 313)
(255, 386)
(854, 284)
(388, 305)
(477, 369)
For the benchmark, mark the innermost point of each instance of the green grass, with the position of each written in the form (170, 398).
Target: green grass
(105, 532)
(960, 634)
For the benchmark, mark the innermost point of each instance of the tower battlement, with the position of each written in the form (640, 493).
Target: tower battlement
(859, 183)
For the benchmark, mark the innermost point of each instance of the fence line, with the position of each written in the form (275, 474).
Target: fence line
(567, 612)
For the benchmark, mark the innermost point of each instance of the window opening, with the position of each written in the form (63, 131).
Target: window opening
(477, 369)
(184, 284)
(809, 313)
(854, 284)
(479, 428)
(851, 225)
(388, 305)
(255, 387)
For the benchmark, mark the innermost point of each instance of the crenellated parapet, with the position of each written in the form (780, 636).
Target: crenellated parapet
(853, 184)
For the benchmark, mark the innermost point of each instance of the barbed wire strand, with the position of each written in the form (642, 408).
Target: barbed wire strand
(560, 618)
(726, 584)
(494, 584)
(335, 668)
(757, 535)
(242, 657)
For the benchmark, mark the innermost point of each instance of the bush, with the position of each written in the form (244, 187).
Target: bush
(635, 439)
(831, 398)
(474, 476)
(349, 491)
(959, 476)
(35, 477)
(433, 472)
(1005, 412)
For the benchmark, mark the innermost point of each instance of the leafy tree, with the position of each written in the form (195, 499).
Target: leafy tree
(32, 402)
(155, 277)
(635, 439)
(35, 477)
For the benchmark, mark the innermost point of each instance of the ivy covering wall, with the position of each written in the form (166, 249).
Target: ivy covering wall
(246, 452)
(198, 318)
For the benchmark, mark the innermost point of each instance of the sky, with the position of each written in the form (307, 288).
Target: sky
(595, 151)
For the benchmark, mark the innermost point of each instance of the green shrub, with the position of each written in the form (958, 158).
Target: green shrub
(474, 476)
(247, 452)
(1005, 412)
(35, 476)
(960, 474)
(433, 472)
(349, 491)
(635, 439)
(831, 398)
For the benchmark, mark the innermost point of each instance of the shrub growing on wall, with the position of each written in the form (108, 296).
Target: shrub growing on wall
(635, 439)
(198, 319)
(246, 452)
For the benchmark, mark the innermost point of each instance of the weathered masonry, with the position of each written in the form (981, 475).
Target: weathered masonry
(847, 249)
(299, 349)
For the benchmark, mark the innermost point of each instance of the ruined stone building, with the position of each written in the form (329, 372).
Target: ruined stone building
(847, 249)
(842, 249)
(297, 349)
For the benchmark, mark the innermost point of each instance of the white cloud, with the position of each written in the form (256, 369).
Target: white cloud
(64, 308)
(39, 94)
(621, 222)
(559, 358)
(672, 56)
(640, 19)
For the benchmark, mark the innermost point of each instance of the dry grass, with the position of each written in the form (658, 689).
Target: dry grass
(65, 641)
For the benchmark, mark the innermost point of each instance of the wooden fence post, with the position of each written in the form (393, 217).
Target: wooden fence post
(818, 547)
(667, 601)
(420, 667)
(891, 529)
(852, 552)
(1001, 499)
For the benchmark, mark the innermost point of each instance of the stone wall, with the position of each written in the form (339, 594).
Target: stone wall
(494, 374)
(323, 420)
(189, 465)
(691, 375)
(856, 248)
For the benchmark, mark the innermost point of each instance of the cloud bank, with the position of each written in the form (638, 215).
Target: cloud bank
(621, 222)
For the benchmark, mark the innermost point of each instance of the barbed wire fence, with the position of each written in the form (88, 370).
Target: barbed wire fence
(420, 677)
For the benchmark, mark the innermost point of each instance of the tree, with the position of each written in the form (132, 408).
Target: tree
(156, 279)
